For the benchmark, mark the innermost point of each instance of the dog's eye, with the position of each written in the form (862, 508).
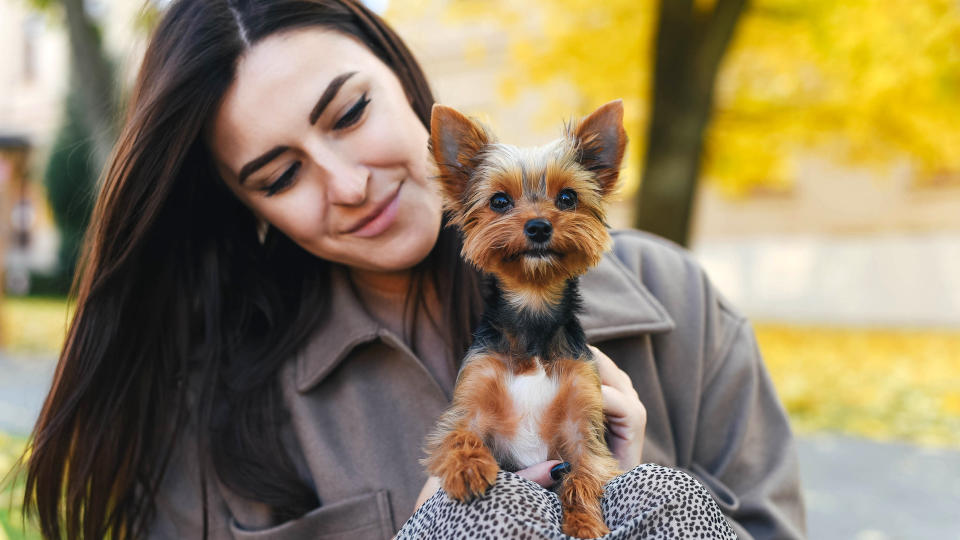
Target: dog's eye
(500, 202)
(567, 199)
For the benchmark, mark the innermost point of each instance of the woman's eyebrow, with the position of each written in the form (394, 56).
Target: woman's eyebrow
(328, 95)
(255, 164)
(325, 99)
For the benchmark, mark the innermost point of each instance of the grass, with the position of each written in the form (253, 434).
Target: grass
(32, 325)
(11, 494)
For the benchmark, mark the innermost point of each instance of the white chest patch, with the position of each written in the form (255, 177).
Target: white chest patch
(532, 394)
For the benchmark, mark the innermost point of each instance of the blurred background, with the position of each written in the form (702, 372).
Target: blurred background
(806, 151)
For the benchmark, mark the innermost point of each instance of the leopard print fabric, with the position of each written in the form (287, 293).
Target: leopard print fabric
(649, 502)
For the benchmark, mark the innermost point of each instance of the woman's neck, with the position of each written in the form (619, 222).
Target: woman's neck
(384, 295)
(375, 284)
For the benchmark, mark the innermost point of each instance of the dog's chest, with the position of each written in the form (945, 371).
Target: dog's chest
(531, 393)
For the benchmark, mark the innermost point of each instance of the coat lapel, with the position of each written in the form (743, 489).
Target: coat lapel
(616, 304)
(347, 326)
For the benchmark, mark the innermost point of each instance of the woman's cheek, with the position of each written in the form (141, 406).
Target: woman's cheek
(300, 214)
(395, 139)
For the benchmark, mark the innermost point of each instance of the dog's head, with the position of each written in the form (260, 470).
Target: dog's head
(530, 215)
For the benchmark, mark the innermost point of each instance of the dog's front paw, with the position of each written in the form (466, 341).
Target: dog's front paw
(466, 468)
(470, 473)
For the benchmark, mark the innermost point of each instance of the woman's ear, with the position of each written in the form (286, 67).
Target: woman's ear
(456, 143)
(601, 141)
(262, 227)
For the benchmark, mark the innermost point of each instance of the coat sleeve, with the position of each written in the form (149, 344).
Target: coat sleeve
(744, 450)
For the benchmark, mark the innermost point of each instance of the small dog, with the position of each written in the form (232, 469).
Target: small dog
(529, 390)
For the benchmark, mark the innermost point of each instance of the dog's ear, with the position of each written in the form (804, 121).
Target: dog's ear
(456, 143)
(601, 141)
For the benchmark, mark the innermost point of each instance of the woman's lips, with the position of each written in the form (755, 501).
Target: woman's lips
(380, 219)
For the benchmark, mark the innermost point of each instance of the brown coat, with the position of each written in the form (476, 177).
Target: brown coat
(361, 404)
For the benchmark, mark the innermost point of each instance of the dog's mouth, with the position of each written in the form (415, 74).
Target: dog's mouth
(534, 254)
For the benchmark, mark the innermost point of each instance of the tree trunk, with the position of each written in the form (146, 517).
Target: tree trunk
(689, 47)
(93, 75)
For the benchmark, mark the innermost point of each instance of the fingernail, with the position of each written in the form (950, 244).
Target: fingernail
(559, 470)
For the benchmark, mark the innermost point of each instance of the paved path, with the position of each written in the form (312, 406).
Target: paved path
(855, 489)
(863, 490)
(24, 382)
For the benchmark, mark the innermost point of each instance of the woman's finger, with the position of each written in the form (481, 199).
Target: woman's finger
(540, 473)
(625, 415)
(616, 406)
(610, 374)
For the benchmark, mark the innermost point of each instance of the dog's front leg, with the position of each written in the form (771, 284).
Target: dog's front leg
(575, 422)
(457, 452)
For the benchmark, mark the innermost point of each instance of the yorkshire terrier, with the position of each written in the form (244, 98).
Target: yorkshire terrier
(533, 220)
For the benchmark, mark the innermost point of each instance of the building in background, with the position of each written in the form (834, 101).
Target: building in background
(14, 232)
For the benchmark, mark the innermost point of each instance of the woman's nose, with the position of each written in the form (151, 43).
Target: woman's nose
(346, 181)
(348, 186)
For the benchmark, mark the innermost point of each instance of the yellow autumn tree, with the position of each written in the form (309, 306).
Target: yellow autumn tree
(865, 82)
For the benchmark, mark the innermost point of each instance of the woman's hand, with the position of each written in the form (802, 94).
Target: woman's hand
(539, 473)
(626, 415)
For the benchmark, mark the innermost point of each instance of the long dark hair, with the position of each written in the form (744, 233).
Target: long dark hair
(175, 292)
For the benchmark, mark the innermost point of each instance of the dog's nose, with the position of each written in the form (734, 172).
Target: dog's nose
(538, 230)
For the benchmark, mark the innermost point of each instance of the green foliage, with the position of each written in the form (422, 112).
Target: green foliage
(12, 526)
(147, 18)
(71, 184)
(43, 5)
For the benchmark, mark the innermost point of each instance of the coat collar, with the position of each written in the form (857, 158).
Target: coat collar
(346, 326)
(616, 304)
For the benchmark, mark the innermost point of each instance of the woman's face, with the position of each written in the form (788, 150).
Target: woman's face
(317, 137)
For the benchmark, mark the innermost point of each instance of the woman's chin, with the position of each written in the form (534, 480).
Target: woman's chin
(397, 256)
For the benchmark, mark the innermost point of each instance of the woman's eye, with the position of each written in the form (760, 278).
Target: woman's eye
(567, 199)
(351, 117)
(500, 202)
(285, 179)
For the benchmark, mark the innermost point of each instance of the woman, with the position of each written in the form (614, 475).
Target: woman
(270, 313)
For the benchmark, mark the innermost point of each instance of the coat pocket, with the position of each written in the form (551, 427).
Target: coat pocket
(364, 517)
